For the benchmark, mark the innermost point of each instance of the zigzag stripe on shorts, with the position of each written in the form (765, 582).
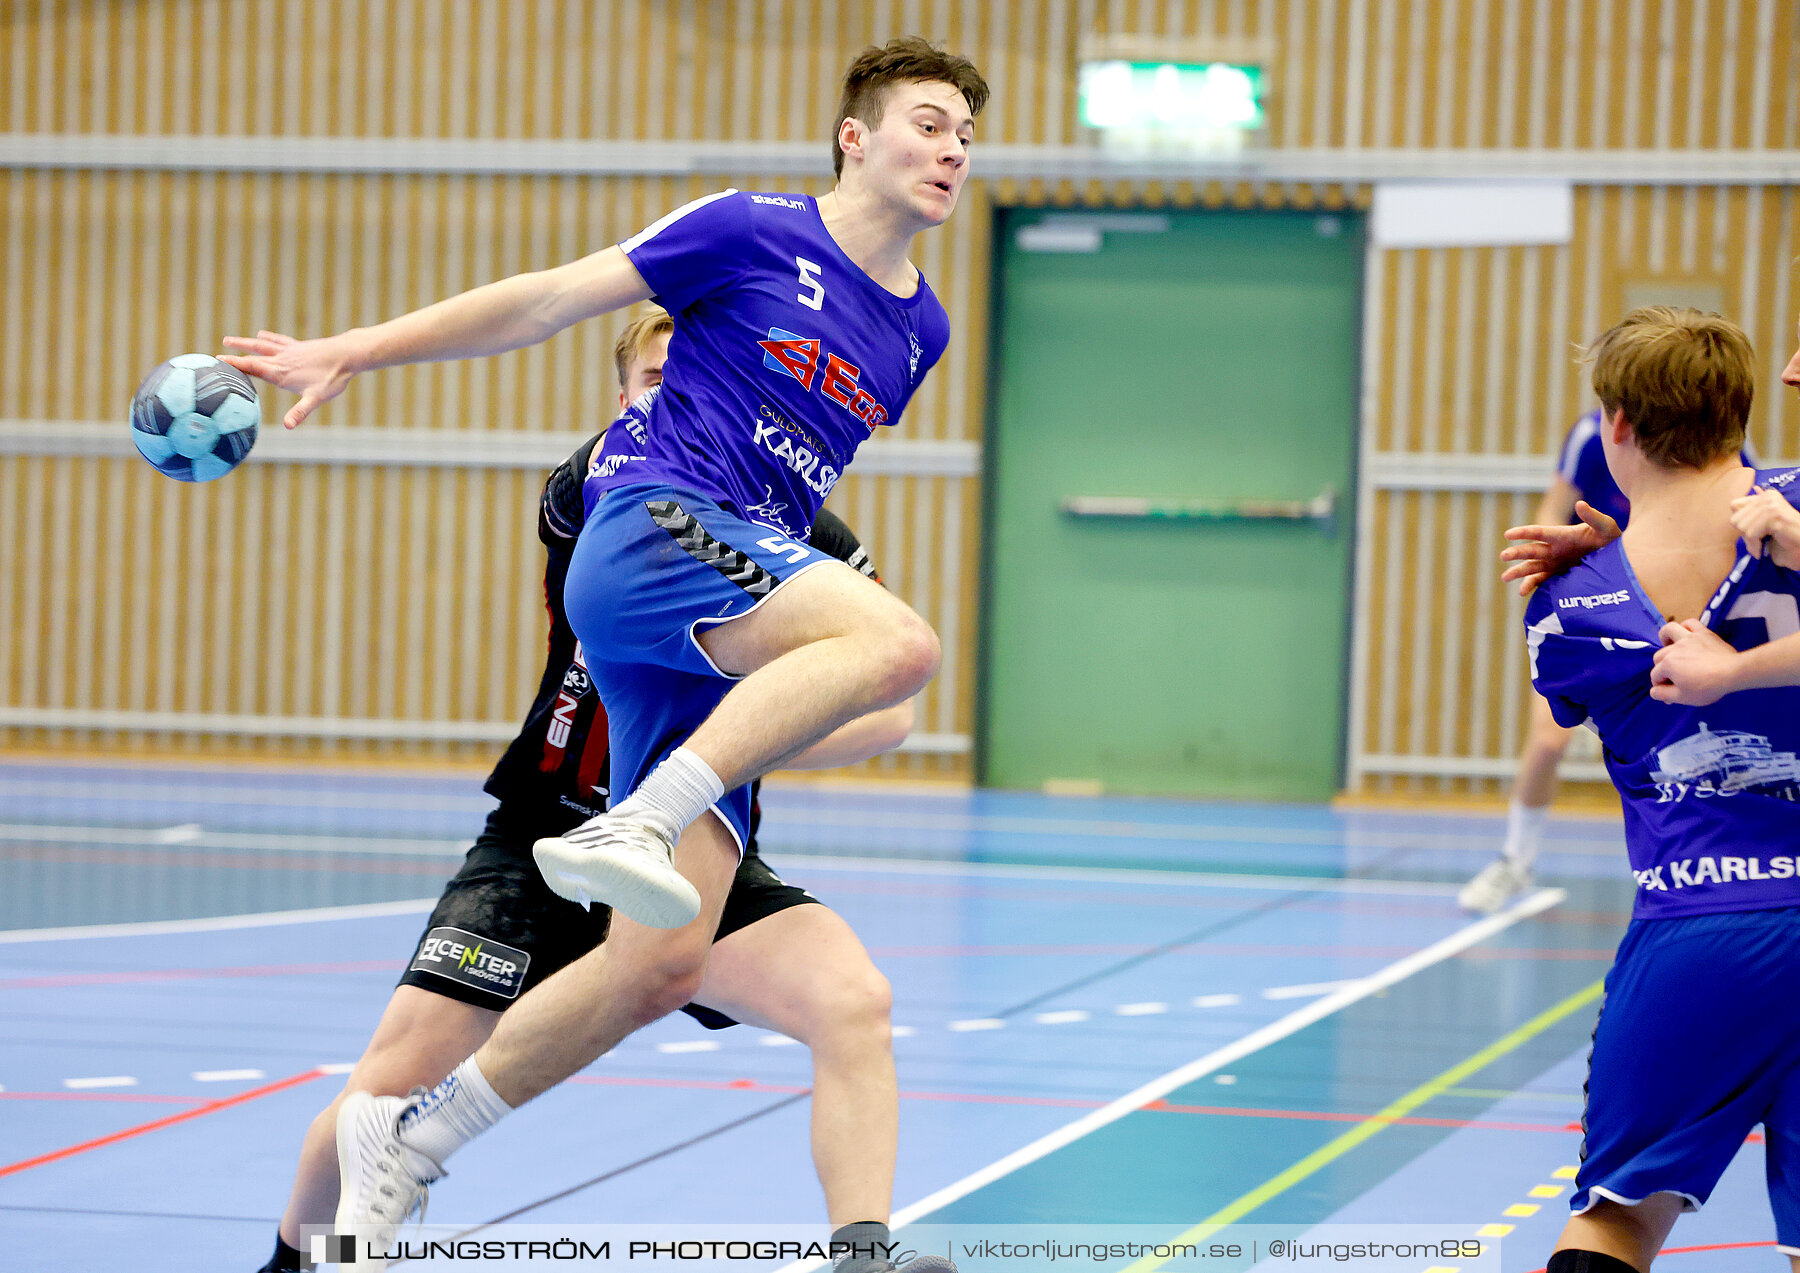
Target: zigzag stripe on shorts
(702, 547)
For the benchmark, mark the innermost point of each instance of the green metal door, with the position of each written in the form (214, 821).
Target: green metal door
(1204, 363)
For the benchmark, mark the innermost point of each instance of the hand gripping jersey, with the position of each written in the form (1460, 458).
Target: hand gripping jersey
(1711, 794)
(785, 357)
(1582, 465)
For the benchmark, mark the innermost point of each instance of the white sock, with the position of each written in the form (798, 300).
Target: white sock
(453, 1113)
(1524, 832)
(675, 794)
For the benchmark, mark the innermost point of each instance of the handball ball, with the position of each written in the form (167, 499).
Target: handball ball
(195, 417)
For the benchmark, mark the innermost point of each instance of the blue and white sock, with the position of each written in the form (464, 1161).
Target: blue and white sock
(453, 1113)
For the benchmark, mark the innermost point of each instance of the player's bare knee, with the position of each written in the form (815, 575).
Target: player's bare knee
(1550, 742)
(912, 658)
(851, 1010)
(665, 984)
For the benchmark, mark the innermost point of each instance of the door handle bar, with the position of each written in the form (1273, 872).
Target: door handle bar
(1321, 508)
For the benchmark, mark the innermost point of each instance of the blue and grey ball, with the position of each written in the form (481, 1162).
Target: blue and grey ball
(195, 417)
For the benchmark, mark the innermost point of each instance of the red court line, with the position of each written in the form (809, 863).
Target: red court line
(51, 980)
(1690, 1250)
(211, 1107)
(101, 1096)
(701, 1085)
(139, 976)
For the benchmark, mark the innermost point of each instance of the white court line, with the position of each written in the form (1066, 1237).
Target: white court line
(1156, 1089)
(111, 1080)
(256, 842)
(214, 795)
(218, 923)
(1308, 990)
(227, 1076)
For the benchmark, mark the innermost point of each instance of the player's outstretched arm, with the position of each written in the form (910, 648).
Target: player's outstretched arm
(1539, 552)
(1696, 667)
(491, 319)
(1766, 518)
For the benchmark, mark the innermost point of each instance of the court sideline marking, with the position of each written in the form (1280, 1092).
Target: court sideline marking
(1295, 1021)
(1335, 1149)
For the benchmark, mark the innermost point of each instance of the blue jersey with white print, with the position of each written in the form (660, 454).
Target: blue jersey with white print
(621, 447)
(1582, 465)
(785, 356)
(1711, 794)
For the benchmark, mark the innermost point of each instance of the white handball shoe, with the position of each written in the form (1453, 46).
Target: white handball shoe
(1498, 883)
(380, 1181)
(622, 863)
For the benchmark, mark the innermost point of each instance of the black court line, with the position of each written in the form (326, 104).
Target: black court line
(142, 1215)
(647, 1159)
(1198, 935)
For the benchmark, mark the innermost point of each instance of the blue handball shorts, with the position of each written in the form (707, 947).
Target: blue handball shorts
(653, 568)
(1698, 1042)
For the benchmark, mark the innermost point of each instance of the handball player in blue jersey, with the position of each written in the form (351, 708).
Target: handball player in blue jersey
(773, 938)
(723, 645)
(1697, 1040)
(1582, 478)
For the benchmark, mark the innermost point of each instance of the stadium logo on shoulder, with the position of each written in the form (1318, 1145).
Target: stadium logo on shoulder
(776, 201)
(1598, 599)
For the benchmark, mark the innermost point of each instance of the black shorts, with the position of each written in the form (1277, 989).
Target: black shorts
(498, 930)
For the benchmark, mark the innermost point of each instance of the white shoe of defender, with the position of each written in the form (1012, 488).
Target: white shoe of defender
(380, 1181)
(622, 863)
(1498, 883)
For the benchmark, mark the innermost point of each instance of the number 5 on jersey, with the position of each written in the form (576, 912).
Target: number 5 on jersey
(776, 544)
(814, 296)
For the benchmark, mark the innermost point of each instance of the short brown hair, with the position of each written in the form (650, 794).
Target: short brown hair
(906, 60)
(636, 338)
(1684, 379)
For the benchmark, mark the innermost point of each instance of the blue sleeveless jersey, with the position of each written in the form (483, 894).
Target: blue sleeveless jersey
(785, 357)
(1582, 465)
(1711, 794)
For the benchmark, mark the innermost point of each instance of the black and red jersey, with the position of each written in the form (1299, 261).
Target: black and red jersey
(554, 775)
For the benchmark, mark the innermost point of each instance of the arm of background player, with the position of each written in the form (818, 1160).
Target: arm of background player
(1697, 668)
(862, 739)
(510, 314)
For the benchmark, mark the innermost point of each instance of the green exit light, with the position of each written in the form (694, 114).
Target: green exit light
(1171, 96)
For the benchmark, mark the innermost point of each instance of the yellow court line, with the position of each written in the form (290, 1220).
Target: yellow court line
(1331, 1152)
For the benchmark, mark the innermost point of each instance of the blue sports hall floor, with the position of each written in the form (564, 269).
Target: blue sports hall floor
(1121, 1012)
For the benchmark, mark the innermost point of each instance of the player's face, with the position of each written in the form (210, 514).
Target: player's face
(1790, 375)
(645, 371)
(919, 156)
